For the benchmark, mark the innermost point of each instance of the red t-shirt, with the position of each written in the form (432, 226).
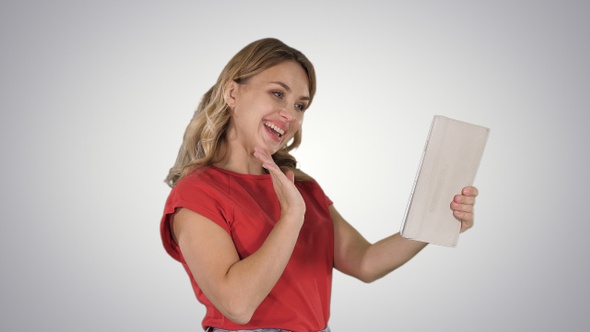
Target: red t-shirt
(247, 208)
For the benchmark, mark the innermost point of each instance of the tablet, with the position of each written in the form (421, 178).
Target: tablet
(449, 162)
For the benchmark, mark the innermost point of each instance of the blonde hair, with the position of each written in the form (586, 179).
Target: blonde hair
(207, 128)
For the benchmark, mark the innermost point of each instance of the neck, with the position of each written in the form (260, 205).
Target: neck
(238, 160)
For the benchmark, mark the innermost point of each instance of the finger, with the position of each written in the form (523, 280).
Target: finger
(461, 207)
(269, 164)
(466, 224)
(470, 191)
(290, 175)
(266, 159)
(460, 199)
(260, 155)
(465, 218)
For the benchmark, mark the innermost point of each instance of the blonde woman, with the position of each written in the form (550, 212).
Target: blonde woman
(258, 237)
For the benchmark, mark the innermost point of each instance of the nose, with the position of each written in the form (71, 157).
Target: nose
(287, 115)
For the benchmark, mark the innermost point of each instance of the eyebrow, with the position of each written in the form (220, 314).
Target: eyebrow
(286, 87)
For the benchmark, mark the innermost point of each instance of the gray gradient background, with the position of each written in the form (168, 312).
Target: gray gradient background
(95, 97)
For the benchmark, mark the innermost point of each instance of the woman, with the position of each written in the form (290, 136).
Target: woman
(257, 236)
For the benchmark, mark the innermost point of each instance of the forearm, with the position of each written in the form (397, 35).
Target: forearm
(247, 282)
(235, 286)
(356, 256)
(250, 280)
(384, 256)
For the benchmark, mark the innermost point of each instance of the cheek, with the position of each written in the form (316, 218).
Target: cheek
(299, 121)
(295, 127)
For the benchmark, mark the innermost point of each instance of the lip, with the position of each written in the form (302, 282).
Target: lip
(278, 124)
(276, 129)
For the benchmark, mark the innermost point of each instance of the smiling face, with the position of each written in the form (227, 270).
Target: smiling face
(267, 109)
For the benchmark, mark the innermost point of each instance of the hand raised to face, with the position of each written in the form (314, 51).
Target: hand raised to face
(290, 199)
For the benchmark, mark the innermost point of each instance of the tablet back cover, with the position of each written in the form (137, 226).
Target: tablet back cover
(450, 160)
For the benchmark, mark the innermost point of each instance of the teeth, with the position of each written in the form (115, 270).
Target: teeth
(275, 128)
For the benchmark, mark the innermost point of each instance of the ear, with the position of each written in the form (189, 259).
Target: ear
(230, 94)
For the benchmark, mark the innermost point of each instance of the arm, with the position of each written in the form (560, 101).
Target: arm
(355, 256)
(237, 287)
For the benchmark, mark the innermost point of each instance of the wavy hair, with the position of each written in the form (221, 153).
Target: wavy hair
(207, 128)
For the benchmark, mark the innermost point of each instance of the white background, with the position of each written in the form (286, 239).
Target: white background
(95, 96)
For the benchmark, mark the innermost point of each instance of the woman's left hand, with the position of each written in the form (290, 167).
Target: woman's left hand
(462, 206)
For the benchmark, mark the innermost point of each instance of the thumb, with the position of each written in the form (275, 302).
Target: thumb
(290, 175)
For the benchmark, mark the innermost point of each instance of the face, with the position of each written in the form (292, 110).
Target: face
(267, 110)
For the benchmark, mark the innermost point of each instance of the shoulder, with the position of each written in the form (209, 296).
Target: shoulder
(204, 191)
(203, 186)
(311, 188)
(308, 184)
(203, 178)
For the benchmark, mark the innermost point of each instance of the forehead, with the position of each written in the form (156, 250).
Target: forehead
(290, 73)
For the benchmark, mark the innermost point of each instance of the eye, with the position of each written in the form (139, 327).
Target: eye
(300, 107)
(278, 94)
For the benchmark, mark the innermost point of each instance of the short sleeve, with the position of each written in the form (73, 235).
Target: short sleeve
(196, 194)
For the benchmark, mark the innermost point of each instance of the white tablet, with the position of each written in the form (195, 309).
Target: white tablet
(449, 162)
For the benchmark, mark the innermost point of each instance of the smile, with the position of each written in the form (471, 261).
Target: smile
(278, 130)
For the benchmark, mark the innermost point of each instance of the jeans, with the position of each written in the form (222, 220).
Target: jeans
(214, 329)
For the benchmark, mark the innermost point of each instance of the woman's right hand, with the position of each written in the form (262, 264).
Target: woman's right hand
(236, 286)
(292, 204)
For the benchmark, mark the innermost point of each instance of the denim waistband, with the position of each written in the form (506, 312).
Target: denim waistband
(214, 329)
